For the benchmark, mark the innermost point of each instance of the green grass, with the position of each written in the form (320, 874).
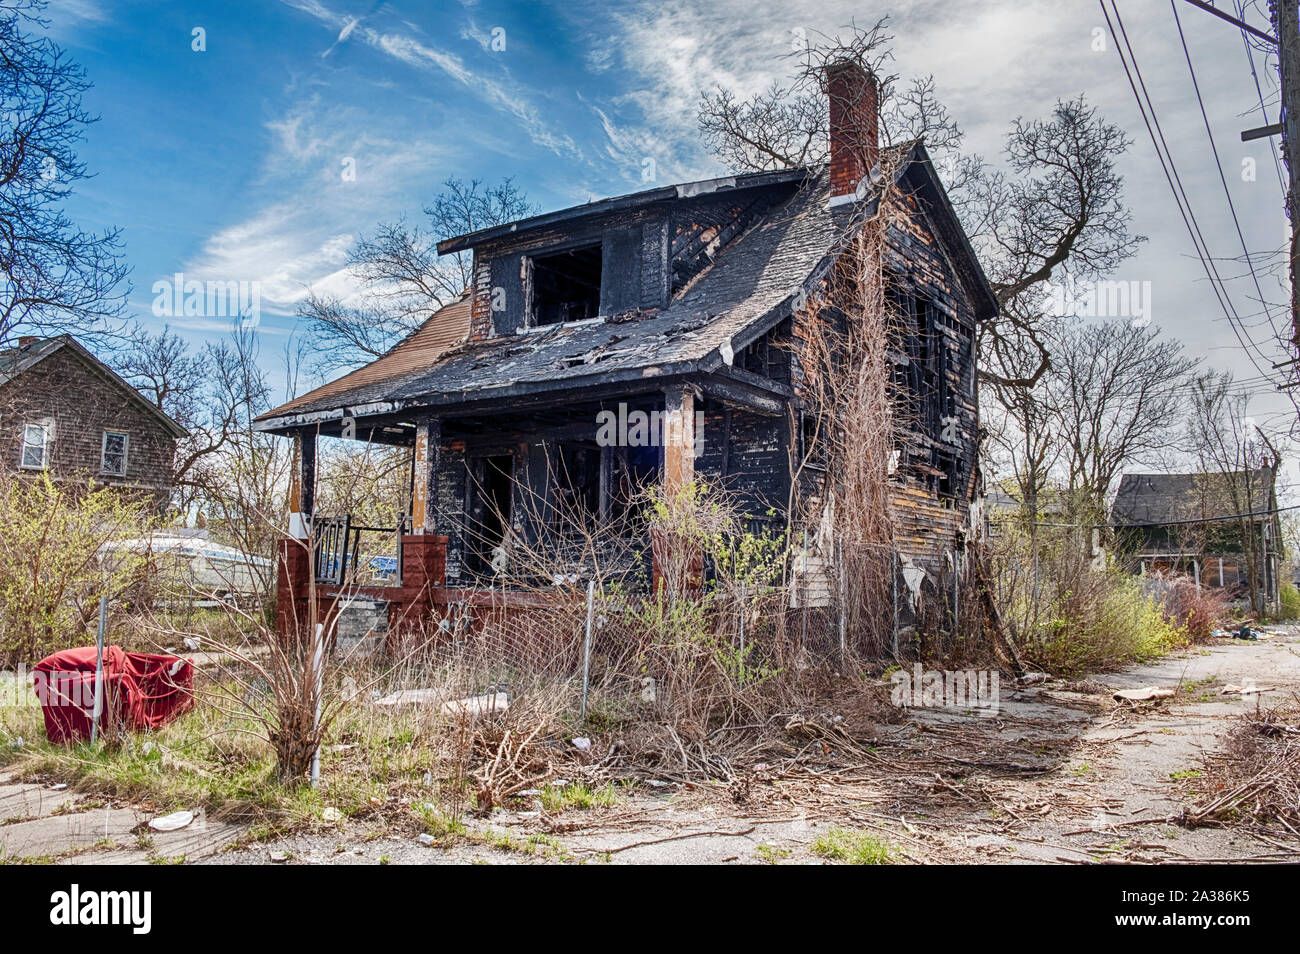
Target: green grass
(1186, 774)
(441, 825)
(578, 795)
(770, 855)
(853, 847)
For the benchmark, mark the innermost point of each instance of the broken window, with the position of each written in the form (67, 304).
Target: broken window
(577, 486)
(489, 498)
(36, 445)
(112, 459)
(921, 369)
(566, 286)
(633, 469)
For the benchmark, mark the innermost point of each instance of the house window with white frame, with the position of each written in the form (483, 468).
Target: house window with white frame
(35, 453)
(113, 454)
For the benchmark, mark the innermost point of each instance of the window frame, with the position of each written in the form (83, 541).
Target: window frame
(46, 428)
(528, 274)
(103, 453)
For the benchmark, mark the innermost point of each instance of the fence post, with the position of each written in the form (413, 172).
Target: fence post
(742, 631)
(318, 685)
(586, 648)
(99, 669)
(844, 605)
(956, 594)
(893, 584)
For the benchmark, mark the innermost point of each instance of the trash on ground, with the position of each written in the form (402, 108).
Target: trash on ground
(1231, 690)
(173, 822)
(1145, 694)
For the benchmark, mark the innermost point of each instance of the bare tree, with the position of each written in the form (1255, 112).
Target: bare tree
(1115, 391)
(53, 276)
(1238, 468)
(1024, 427)
(211, 392)
(1056, 207)
(403, 279)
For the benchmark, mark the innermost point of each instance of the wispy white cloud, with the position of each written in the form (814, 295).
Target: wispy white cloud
(327, 183)
(507, 97)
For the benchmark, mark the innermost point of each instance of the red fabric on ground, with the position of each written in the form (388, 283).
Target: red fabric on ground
(141, 690)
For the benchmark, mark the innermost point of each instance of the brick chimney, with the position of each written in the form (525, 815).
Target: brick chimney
(26, 341)
(854, 127)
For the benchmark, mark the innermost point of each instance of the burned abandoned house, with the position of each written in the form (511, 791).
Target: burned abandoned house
(68, 414)
(685, 302)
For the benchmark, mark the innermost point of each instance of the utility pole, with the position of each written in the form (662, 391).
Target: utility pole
(1286, 26)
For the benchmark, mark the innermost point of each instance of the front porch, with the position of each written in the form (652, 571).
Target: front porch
(505, 505)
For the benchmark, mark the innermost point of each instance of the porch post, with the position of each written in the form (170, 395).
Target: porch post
(679, 438)
(424, 492)
(302, 484)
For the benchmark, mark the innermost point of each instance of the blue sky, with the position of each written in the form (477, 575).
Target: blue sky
(226, 164)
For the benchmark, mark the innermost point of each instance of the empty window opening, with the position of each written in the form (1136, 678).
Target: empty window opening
(113, 454)
(490, 512)
(577, 486)
(633, 470)
(566, 286)
(36, 446)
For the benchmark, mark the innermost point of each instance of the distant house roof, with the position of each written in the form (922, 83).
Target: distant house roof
(751, 286)
(21, 358)
(1150, 500)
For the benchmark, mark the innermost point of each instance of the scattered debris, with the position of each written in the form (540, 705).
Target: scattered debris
(1146, 694)
(173, 822)
(478, 705)
(1231, 690)
(582, 744)
(331, 815)
(425, 838)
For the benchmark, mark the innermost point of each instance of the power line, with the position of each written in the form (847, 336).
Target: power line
(1170, 169)
(1196, 87)
(1259, 91)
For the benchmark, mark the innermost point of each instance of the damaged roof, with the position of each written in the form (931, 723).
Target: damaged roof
(443, 330)
(751, 286)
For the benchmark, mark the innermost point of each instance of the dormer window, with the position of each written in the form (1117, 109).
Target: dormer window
(565, 286)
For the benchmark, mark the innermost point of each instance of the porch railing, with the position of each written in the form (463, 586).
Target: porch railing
(338, 549)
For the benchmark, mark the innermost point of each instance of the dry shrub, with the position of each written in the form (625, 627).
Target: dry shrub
(1196, 610)
(1258, 782)
(55, 562)
(1068, 615)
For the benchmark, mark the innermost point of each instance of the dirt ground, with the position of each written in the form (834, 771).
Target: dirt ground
(1061, 773)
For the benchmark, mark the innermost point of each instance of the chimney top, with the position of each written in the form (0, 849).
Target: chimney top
(26, 341)
(854, 126)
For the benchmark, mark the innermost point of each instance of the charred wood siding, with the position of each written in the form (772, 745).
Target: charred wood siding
(748, 454)
(933, 396)
(82, 404)
(938, 451)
